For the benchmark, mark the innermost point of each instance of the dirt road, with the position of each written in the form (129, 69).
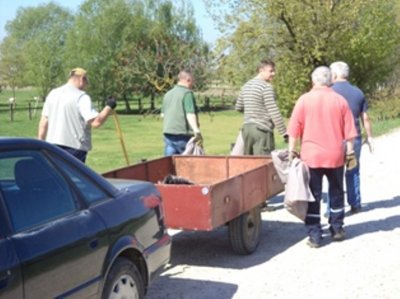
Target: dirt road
(365, 265)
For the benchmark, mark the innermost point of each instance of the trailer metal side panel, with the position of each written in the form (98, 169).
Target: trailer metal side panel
(153, 171)
(225, 187)
(186, 207)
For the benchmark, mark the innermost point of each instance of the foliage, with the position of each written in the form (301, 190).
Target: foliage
(34, 48)
(169, 41)
(128, 47)
(11, 64)
(100, 30)
(301, 35)
(385, 109)
(132, 47)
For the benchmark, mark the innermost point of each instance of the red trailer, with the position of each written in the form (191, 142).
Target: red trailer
(226, 190)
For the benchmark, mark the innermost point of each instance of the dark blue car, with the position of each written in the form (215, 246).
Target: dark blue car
(67, 232)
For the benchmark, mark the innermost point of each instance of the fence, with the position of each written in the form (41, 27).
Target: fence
(32, 110)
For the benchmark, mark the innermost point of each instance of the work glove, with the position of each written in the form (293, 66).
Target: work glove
(198, 139)
(351, 161)
(286, 138)
(111, 102)
(370, 142)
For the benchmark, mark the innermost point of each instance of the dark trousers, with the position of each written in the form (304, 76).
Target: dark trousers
(80, 155)
(336, 200)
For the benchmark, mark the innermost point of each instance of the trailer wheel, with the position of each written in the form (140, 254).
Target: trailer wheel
(245, 231)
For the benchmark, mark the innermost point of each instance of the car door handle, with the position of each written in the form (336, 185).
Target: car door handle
(94, 243)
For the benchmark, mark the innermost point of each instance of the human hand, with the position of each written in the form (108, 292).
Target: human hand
(198, 139)
(370, 142)
(293, 154)
(351, 161)
(111, 102)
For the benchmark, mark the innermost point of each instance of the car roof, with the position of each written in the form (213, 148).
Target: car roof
(21, 141)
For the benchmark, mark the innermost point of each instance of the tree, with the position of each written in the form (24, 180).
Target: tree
(11, 64)
(169, 40)
(127, 46)
(35, 45)
(301, 35)
(101, 30)
(133, 46)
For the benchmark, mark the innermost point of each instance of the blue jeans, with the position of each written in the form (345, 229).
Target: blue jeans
(175, 144)
(336, 198)
(353, 178)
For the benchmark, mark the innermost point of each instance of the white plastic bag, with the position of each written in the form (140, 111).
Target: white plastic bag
(193, 149)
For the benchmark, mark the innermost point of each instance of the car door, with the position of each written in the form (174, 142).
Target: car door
(61, 245)
(10, 272)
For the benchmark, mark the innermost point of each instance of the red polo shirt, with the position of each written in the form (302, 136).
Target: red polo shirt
(323, 120)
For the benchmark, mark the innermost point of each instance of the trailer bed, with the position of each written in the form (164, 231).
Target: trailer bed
(224, 188)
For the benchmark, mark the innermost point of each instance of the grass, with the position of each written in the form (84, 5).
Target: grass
(385, 126)
(142, 134)
(143, 138)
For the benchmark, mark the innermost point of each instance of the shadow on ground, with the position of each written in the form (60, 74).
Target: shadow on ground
(193, 289)
(213, 249)
(386, 224)
(382, 204)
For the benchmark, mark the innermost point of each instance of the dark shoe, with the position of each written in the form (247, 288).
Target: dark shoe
(355, 210)
(313, 244)
(337, 235)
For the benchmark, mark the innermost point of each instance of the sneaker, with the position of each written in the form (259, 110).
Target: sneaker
(337, 235)
(313, 244)
(355, 210)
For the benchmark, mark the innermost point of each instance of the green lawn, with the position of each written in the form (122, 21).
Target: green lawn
(141, 134)
(143, 138)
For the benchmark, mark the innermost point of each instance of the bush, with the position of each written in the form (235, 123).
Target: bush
(385, 109)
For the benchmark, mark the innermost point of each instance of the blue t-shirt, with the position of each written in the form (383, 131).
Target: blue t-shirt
(355, 98)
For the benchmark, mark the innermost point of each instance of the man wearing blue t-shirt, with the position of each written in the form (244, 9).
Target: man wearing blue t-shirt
(358, 105)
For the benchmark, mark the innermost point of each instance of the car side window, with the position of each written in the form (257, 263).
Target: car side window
(88, 189)
(34, 191)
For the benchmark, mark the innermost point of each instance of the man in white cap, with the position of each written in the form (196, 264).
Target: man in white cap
(68, 116)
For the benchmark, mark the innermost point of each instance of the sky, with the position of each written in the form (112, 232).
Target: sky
(8, 10)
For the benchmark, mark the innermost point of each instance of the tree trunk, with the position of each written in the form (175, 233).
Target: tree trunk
(127, 106)
(152, 101)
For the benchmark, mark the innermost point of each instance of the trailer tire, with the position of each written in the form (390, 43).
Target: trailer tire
(245, 231)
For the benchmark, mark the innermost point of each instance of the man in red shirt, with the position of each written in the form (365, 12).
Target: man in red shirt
(322, 120)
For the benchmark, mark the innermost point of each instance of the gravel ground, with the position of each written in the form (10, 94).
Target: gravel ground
(365, 265)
